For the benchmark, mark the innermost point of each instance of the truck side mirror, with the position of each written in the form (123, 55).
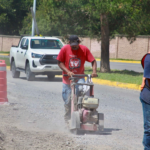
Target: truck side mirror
(24, 47)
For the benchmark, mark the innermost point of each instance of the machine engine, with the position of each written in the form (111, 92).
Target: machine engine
(88, 106)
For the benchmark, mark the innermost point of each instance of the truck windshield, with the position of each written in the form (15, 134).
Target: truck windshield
(45, 44)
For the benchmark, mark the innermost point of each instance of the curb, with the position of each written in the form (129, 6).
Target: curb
(117, 84)
(114, 84)
(109, 83)
(4, 54)
(123, 61)
(8, 67)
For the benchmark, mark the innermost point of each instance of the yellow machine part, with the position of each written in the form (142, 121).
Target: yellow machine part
(90, 103)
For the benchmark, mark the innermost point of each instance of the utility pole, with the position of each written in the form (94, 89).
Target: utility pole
(33, 23)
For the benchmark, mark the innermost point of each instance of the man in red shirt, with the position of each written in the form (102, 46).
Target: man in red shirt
(71, 60)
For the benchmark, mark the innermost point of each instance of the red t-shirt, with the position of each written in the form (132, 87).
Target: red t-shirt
(74, 59)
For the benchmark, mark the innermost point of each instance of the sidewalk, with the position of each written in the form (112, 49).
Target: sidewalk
(107, 82)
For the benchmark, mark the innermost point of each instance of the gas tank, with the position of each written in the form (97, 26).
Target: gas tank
(90, 103)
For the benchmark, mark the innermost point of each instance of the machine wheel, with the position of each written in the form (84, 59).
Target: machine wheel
(51, 76)
(15, 74)
(75, 122)
(29, 75)
(101, 121)
(74, 131)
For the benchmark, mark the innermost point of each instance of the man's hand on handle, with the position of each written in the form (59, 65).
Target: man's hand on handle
(62, 66)
(94, 75)
(69, 73)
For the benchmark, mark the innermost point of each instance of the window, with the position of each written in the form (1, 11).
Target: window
(46, 44)
(23, 42)
(27, 42)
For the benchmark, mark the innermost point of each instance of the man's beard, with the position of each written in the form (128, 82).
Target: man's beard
(75, 48)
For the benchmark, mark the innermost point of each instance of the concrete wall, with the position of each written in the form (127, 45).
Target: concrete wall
(122, 48)
(132, 51)
(7, 41)
(119, 47)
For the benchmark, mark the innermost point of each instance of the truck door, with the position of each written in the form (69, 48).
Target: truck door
(20, 52)
(23, 53)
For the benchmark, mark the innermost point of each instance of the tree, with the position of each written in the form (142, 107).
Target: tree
(96, 18)
(60, 18)
(12, 13)
(121, 17)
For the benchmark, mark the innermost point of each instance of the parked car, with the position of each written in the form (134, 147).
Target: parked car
(35, 56)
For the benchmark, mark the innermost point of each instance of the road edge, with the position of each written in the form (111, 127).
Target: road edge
(123, 61)
(113, 83)
(98, 59)
(109, 83)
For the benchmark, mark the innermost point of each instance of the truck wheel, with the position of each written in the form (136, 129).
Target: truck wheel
(29, 75)
(15, 74)
(50, 76)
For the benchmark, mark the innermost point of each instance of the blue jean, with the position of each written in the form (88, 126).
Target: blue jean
(146, 118)
(66, 94)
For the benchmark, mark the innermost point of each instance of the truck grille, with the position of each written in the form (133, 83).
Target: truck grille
(48, 59)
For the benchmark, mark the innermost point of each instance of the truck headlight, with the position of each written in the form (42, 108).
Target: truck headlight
(36, 55)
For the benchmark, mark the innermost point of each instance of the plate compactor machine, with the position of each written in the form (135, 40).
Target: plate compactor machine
(84, 116)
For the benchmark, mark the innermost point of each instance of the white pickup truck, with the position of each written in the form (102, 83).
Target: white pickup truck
(35, 56)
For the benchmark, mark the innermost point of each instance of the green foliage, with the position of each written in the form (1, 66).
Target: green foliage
(82, 17)
(12, 13)
(124, 16)
(62, 18)
(6, 60)
(101, 19)
(123, 76)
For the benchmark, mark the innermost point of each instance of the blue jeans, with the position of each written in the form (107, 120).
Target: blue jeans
(66, 94)
(146, 117)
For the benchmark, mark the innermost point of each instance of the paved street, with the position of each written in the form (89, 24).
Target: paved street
(116, 65)
(37, 107)
(121, 66)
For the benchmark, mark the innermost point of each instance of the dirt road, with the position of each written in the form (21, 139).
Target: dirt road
(33, 119)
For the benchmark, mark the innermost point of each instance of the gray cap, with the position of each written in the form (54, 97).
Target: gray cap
(74, 40)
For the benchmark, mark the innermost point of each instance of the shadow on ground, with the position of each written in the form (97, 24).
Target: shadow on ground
(107, 131)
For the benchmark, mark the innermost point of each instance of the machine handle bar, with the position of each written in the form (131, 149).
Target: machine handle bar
(77, 75)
